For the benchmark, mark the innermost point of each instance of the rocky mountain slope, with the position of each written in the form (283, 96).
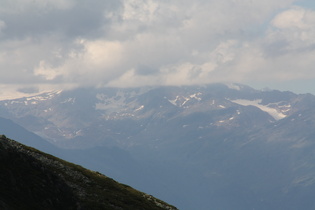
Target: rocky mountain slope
(30, 179)
(232, 146)
(66, 118)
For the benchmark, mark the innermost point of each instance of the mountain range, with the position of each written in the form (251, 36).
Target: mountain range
(218, 146)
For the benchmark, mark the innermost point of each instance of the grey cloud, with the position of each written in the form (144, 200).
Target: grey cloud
(138, 42)
(275, 48)
(83, 19)
(146, 70)
(28, 90)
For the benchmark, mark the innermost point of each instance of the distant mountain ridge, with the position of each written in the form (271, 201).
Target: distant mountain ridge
(63, 115)
(226, 143)
(31, 179)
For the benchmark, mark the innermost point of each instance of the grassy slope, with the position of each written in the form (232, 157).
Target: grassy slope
(31, 179)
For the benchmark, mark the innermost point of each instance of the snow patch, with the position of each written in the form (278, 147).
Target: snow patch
(44, 96)
(195, 96)
(48, 110)
(32, 98)
(69, 100)
(174, 101)
(180, 101)
(276, 114)
(111, 104)
(141, 107)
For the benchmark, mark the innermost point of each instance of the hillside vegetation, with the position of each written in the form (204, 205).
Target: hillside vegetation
(31, 179)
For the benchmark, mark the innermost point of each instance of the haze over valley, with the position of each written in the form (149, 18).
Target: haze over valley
(202, 104)
(219, 146)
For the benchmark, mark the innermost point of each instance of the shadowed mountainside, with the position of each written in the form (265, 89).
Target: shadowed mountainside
(31, 179)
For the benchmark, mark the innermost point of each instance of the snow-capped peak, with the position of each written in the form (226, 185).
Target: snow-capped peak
(40, 96)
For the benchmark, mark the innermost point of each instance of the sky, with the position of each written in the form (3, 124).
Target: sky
(59, 44)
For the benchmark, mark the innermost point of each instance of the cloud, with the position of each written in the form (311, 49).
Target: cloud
(2, 25)
(68, 18)
(28, 90)
(151, 42)
(298, 18)
(46, 71)
(294, 27)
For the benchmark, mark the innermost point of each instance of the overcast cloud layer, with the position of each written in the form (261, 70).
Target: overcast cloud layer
(64, 43)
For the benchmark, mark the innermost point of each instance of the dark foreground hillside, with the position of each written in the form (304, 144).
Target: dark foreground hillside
(30, 179)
